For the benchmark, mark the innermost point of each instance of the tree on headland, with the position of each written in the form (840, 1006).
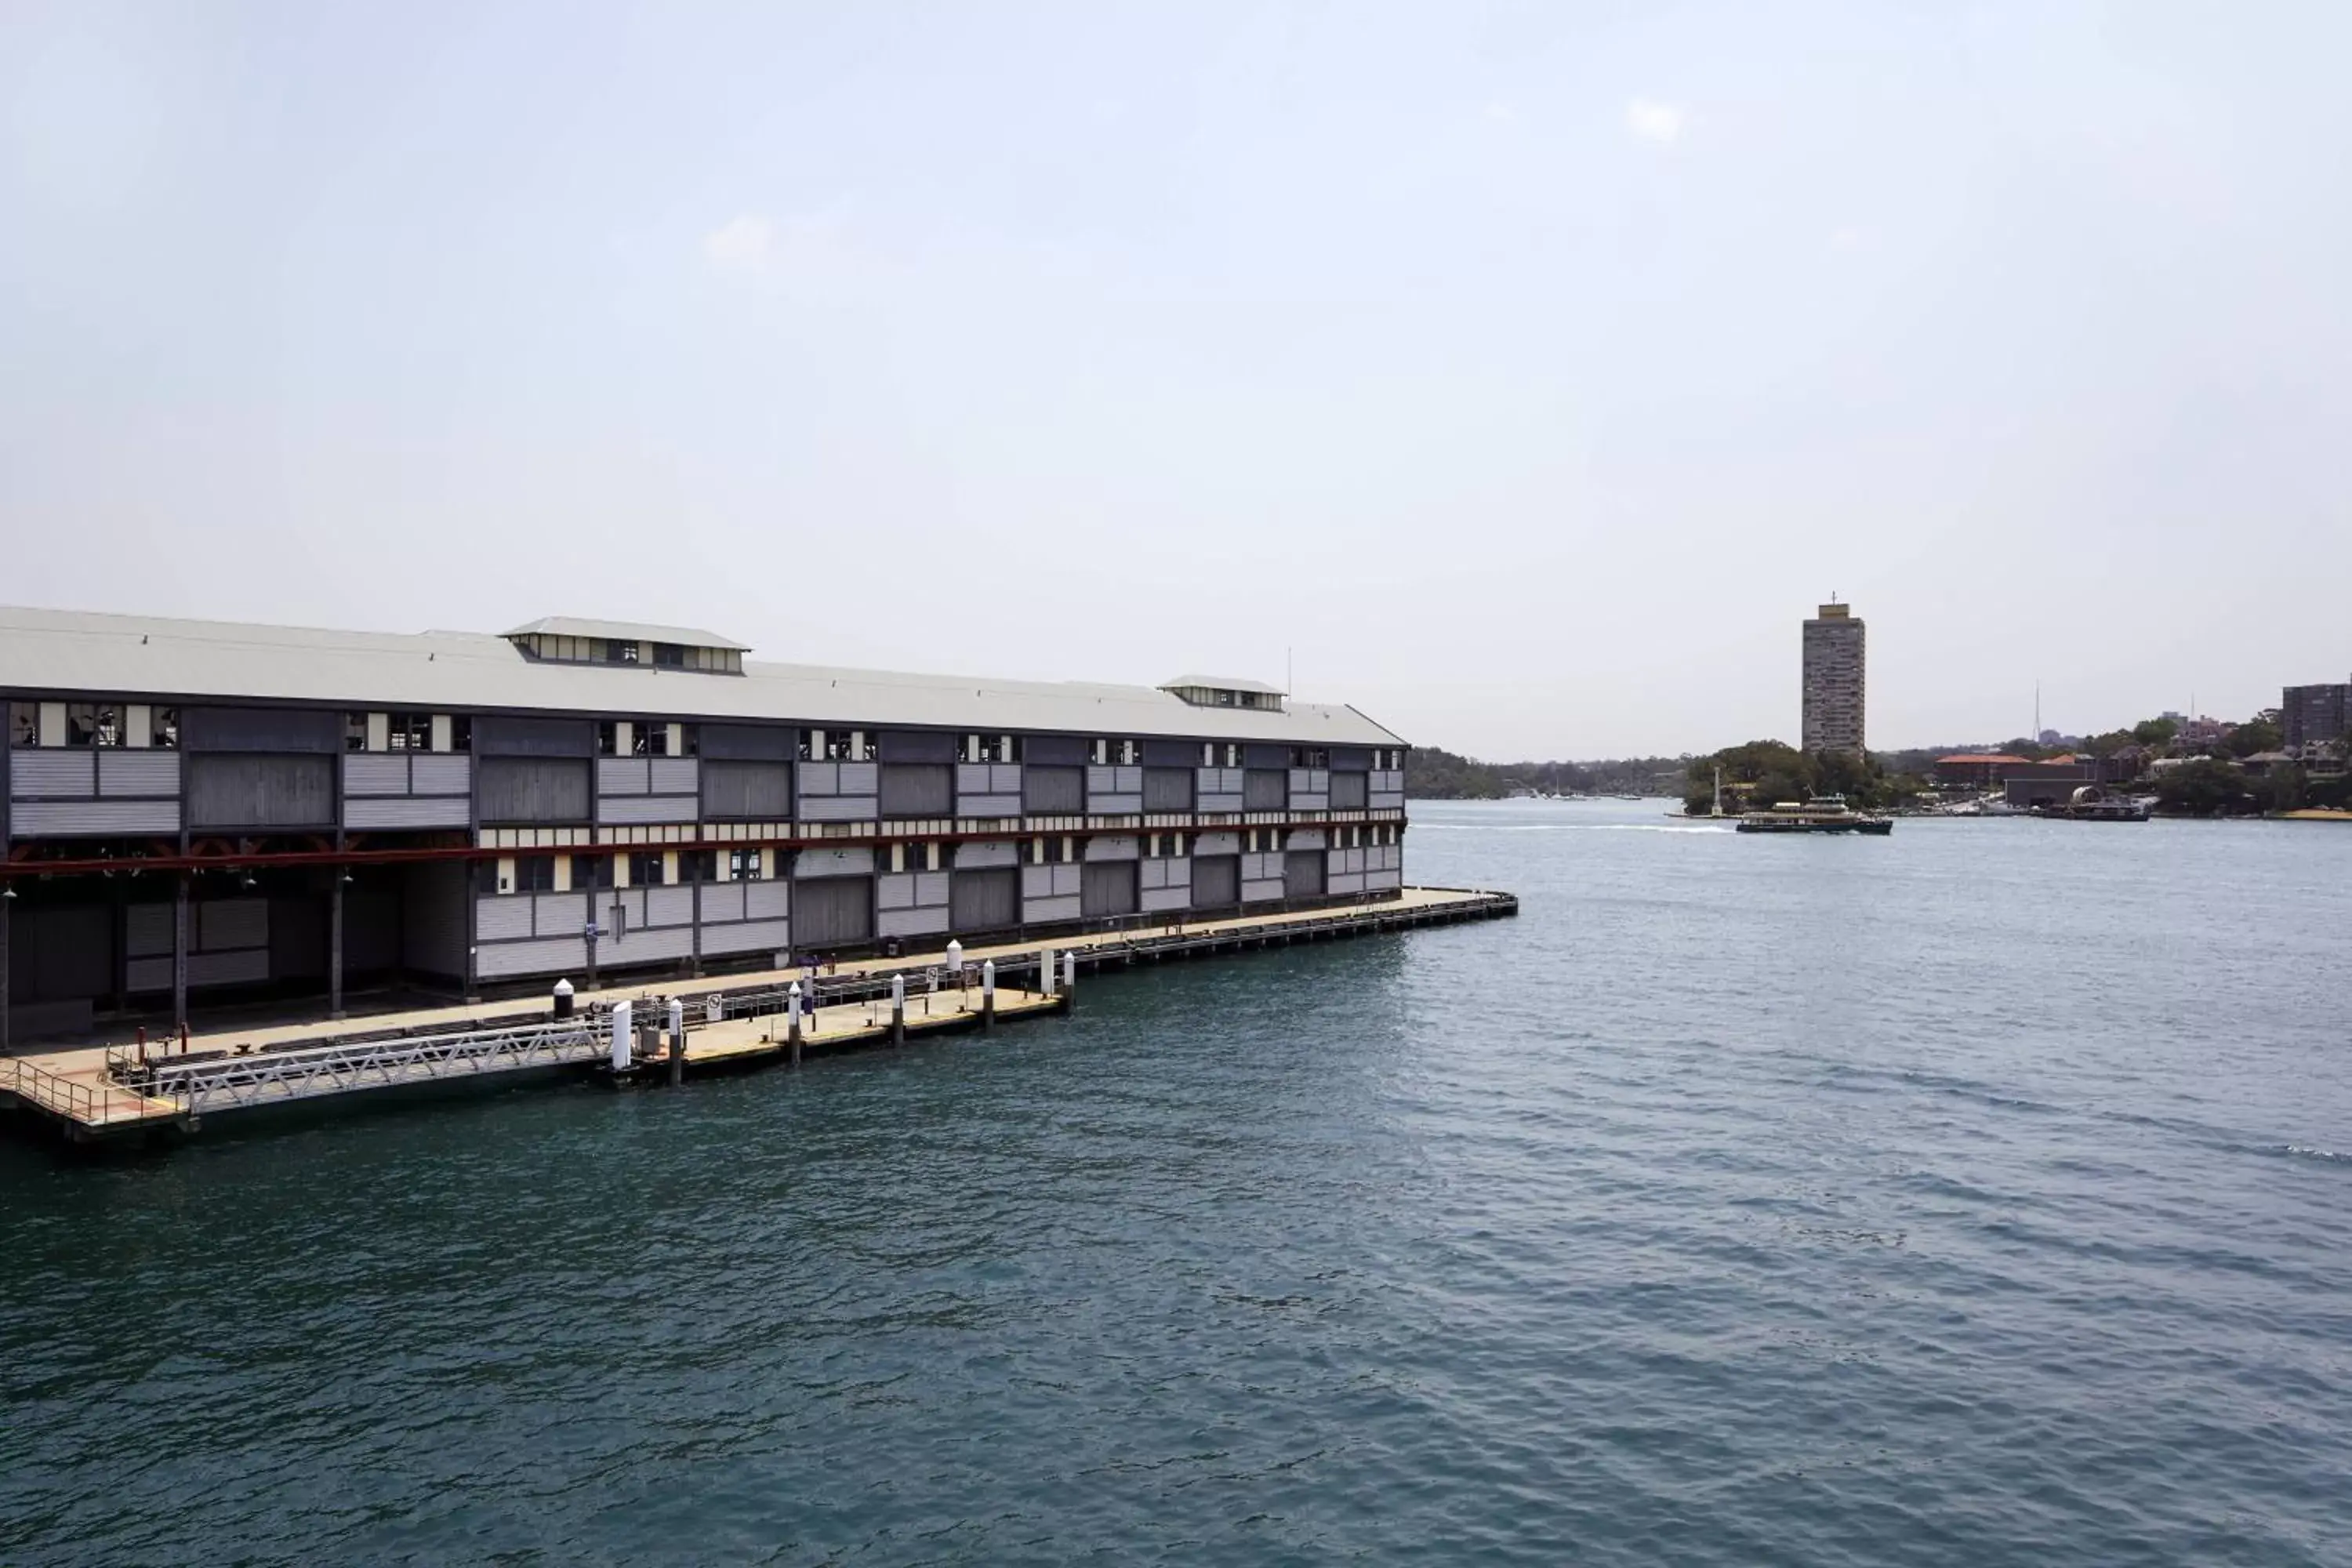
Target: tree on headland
(2155, 732)
(2201, 787)
(2256, 734)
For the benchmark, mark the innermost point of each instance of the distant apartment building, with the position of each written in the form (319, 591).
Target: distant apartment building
(2314, 715)
(1833, 681)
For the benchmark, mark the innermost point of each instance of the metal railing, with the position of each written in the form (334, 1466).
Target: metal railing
(93, 1105)
(260, 1077)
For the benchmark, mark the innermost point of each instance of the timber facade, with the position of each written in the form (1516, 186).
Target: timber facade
(199, 814)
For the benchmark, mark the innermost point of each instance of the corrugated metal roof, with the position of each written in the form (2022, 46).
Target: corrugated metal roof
(1221, 683)
(625, 631)
(64, 652)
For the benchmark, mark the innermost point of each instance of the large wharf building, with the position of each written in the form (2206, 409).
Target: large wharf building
(1834, 684)
(211, 812)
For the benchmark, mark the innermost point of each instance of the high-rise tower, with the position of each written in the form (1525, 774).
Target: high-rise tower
(1833, 681)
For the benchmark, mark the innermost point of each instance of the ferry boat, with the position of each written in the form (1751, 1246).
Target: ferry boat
(1828, 814)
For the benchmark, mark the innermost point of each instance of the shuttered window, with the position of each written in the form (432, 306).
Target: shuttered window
(1047, 791)
(1264, 789)
(918, 789)
(1167, 789)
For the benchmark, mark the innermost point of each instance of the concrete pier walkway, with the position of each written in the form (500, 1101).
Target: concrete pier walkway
(107, 1090)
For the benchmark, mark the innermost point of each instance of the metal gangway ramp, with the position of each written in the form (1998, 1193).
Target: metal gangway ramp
(227, 1081)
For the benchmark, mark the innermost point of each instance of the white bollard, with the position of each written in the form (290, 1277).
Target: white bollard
(1045, 972)
(987, 992)
(898, 1009)
(955, 957)
(677, 1025)
(1069, 969)
(620, 1036)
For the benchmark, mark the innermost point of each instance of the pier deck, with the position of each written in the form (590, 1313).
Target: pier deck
(732, 1020)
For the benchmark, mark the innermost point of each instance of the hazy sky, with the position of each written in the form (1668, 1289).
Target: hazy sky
(1531, 369)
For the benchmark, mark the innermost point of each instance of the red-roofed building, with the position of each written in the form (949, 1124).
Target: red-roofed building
(1977, 770)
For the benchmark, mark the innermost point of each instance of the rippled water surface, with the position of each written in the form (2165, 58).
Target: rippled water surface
(1977, 1196)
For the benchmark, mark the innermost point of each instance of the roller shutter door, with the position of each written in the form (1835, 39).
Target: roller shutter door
(1216, 881)
(985, 899)
(831, 911)
(1349, 791)
(1302, 874)
(1108, 887)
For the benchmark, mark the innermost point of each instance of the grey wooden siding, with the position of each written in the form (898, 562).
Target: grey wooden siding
(988, 789)
(231, 790)
(998, 852)
(1165, 884)
(1054, 791)
(918, 789)
(1113, 847)
(1311, 789)
(911, 903)
(406, 789)
(93, 792)
(1217, 789)
(838, 792)
(1050, 893)
(138, 774)
(747, 791)
(52, 773)
(84, 819)
(526, 789)
(1114, 791)
(407, 811)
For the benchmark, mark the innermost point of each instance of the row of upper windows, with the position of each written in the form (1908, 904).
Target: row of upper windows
(37, 724)
(658, 868)
(107, 723)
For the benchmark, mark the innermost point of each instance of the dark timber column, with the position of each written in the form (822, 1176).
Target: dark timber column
(694, 880)
(8, 902)
(335, 944)
(180, 952)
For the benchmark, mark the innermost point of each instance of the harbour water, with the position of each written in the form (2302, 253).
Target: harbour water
(1982, 1195)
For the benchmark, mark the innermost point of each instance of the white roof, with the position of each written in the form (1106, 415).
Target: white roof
(1221, 683)
(624, 631)
(137, 657)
